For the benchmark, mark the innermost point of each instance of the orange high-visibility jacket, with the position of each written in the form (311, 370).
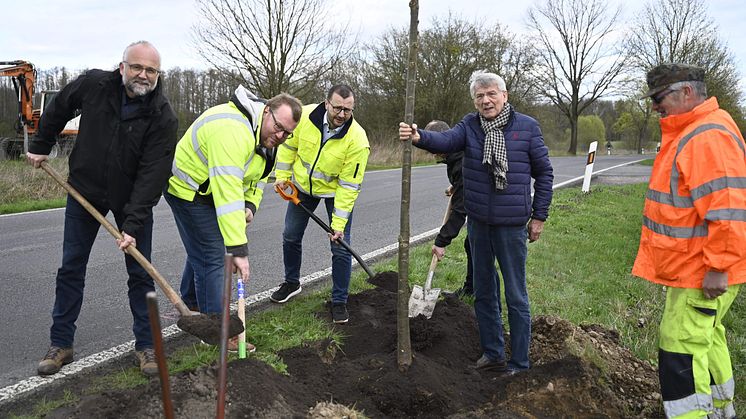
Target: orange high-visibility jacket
(695, 207)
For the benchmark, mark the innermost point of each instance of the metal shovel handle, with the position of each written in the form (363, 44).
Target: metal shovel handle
(131, 250)
(293, 197)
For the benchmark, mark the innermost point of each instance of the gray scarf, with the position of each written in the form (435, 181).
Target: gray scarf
(495, 154)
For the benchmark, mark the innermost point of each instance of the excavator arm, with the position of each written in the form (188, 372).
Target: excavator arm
(23, 75)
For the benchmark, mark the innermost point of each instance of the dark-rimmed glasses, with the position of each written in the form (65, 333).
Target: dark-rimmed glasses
(340, 109)
(138, 68)
(285, 133)
(657, 99)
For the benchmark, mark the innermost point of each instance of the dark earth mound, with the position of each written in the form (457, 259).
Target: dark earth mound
(362, 374)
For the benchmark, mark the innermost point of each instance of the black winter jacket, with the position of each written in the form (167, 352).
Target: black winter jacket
(117, 164)
(449, 230)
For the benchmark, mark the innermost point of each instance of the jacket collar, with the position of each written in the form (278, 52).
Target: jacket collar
(317, 118)
(682, 120)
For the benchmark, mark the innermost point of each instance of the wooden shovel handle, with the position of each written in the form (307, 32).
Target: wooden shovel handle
(131, 250)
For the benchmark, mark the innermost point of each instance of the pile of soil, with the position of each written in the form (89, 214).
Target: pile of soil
(362, 375)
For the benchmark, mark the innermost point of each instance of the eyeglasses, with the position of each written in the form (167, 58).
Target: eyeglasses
(138, 68)
(657, 99)
(340, 109)
(285, 133)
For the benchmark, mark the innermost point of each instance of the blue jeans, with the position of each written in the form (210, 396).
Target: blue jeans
(80, 233)
(296, 221)
(507, 244)
(202, 281)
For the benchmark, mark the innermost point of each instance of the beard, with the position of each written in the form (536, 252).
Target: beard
(139, 87)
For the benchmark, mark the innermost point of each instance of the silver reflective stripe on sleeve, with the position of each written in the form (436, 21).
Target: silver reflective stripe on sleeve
(341, 214)
(229, 208)
(283, 166)
(227, 171)
(726, 214)
(193, 185)
(718, 184)
(349, 185)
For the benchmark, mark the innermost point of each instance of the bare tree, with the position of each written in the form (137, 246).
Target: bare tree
(576, 62)
(681, 31)
(274, 45)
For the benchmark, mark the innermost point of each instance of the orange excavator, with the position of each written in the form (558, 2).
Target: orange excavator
(23, 75)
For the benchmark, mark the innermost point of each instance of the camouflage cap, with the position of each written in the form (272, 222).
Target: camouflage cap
(664, 75)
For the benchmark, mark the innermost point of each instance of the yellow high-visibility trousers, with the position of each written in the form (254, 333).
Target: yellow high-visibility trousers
(695, 370)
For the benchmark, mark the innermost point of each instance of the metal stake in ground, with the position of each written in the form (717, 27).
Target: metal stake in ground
(160, 356)
(200, 325)
(222, 374)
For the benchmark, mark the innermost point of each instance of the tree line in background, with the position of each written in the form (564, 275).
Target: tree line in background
(578, 70)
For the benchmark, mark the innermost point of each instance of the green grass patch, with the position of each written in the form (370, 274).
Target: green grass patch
(44, 407)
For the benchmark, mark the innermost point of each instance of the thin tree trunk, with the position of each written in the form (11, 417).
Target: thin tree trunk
(404, 346)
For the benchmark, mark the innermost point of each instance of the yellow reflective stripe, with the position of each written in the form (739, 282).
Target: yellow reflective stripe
(229, 208)
(725, 391)
(675, 232)
(688, 404)
(193, 185)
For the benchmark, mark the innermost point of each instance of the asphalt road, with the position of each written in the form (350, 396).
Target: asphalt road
(31, 250)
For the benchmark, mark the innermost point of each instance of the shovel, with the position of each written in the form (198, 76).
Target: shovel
(293, 196)
(200, 325)
(422, 300)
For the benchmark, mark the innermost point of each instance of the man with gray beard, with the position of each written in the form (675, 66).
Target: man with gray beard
(120, 163)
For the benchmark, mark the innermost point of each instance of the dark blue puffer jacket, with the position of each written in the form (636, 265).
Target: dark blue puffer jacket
(528, 158)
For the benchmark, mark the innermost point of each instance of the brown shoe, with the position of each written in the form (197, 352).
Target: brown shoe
(146, 361)
(55, 358)
(233, 346)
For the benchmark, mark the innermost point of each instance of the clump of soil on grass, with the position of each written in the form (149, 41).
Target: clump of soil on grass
(578, 372)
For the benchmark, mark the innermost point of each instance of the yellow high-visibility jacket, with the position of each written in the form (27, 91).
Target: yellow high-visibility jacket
(695, 207)
(334, 169)
(220, 157)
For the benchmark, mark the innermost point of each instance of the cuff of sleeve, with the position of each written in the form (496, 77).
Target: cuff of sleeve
(238, 251)
(39, 147)
(251, 206)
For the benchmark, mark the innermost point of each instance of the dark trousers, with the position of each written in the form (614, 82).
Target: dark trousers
(80, 233)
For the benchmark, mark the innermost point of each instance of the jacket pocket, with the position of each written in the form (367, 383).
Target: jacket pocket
(698, 321)
(669, 255)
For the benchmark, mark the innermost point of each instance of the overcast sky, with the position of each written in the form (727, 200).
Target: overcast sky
(92, 34)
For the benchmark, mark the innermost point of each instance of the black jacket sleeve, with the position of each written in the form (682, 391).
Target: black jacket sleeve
(56, 115)
(153, 172)
(456, 219)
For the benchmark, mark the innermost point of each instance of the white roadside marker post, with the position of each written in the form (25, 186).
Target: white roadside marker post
(589, 167)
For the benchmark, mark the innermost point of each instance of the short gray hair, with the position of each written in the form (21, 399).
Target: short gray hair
(481, 78)
(145, 43)
(698, 87)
